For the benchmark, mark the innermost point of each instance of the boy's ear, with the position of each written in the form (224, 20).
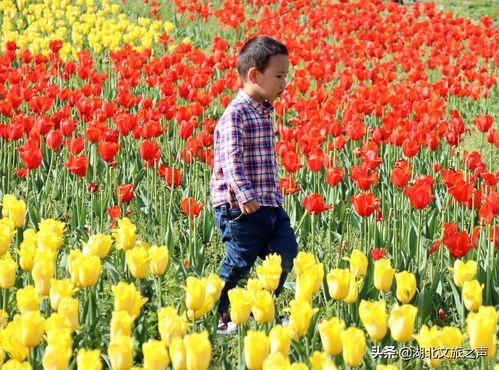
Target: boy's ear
(252, 74)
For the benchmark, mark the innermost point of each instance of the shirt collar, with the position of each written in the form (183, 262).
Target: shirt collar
(264, 109)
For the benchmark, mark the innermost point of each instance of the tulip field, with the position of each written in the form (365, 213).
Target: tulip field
(387, 139)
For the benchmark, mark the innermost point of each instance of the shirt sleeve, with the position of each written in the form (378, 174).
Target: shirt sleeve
(231, 157)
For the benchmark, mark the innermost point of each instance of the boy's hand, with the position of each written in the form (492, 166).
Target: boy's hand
(249, 207)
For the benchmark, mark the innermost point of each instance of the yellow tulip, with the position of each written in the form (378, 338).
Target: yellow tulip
(74, 254)
(58, 290)
(121, 324)
(383, 274)
(14, 209)
(280, 339)
(302, 261)
(214, 286)
(406, 286)
(6, 234)
(27, 299)
(7, 271)
(4, 318)
(298, 366)
(330, 332)
(32, 328)
(50, 225)
(206, 307)
(194, 292)
(55, 322)
(27, 255)
(86, 270)
(270, 271)
(98, 245)
(42, 272)
(374, 316)
(197, 351)
(59, 338)
(430, 339)
(125, 235)
(16, 365)
(276, 361)
(481, 327)
(353, 290)
(301, 313)
(452, 338)
(401, 322)
(170, 325)
(137, 260)
(338, 283)
(263, 307)
(169, 27)
(320, 361)
(463, 271)
(240, 305)
(354, 346)
(155, 355)
(120, 352)
(127, 298)
(159, 258)
(358, 262)
(256, 349)
(68, 308)
(309, 282)
(56, 357)
(10, 339)
(178, 354)
(472, 294)
(89, 360)
(386, 367)
(253, 286)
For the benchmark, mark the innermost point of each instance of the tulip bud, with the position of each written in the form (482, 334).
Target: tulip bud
(302, 261)
(401, 322)
(270, 271)
(27, 253)
(280, 339)
(137, 260)
(27, 299)
(68, 308)
(240, 305)
(206, 307)
(14, 209)
(125, 235)
(32, 328)
(256, 349)
(195, 290)
(276, 361)
(89, 360)
(159, 258)
(56, 357)
(197, 351)
(253, 286)
(354, 346)
(301, 313)
(330, 332)
(472, 294)
(155, 355)
(353, 290)
(482, 329)
(98, 245)
(358, 263)
(214, 286)
(309, 282)
(463, 271)
(58, 290)
(263, 307)
(120, 352)
(178, 354)
(7, 271)
(42, 272)
(320, 361)
(406, 286)
(383, 274)
(373, 315)
(170, 325)
(338, 283)
(86, 270)
(127, 298)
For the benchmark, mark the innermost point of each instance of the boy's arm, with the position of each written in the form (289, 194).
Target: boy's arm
(231, 157)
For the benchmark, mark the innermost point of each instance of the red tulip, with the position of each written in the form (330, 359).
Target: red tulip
(291, 162)
(314, 159)
(108, 149)
(419, 195)
(23, 172)
(377, 253)
(191, 208)
(363, 177)
(494, 235)
(92, 187)
(125, 193)
(365, 204)
(114, 212)
(401, 174)
(288, 185)
(53, 140)
(459, 243)
(483, 122)
(78, 166)
(334, 175)
(314, 204)
(30, 154)
(75, 145)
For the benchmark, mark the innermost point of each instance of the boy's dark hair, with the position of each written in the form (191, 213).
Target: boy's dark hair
(257, 53)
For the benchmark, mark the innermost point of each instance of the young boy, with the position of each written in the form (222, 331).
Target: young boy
(244, 185)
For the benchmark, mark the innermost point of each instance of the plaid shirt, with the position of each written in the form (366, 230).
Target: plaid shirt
(245, 165)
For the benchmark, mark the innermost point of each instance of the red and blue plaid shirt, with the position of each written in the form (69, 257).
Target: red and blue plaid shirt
(245, 165)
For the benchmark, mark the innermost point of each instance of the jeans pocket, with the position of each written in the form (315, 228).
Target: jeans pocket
(234, 214)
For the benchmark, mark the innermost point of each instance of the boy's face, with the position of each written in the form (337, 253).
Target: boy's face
(269, 85)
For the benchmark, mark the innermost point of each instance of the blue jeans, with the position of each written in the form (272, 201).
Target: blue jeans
(247, 237)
